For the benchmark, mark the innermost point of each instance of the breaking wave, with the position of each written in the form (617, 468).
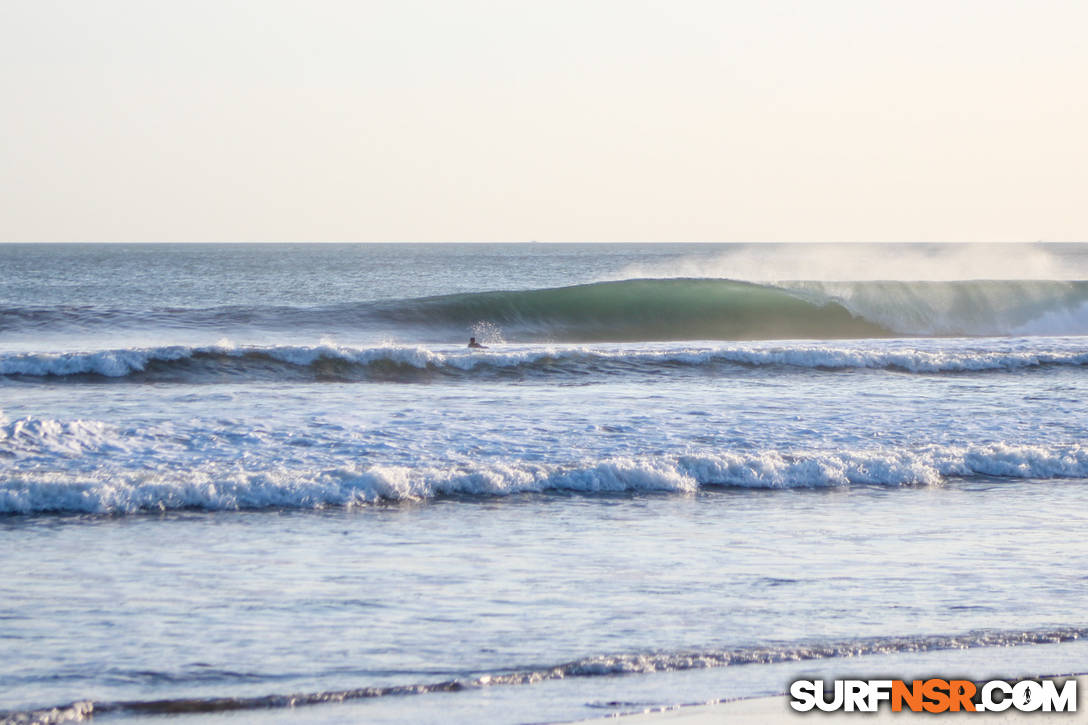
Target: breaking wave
(643, 310)
(599, 666)
(107, 489)
(224, 363)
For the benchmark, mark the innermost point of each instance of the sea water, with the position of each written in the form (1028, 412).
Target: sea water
(237, 480)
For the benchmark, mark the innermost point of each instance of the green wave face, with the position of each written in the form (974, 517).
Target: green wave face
(643, 310)
(716, 309)
(639, 310)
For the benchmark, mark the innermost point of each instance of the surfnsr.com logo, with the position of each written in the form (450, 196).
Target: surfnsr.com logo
(935, 695)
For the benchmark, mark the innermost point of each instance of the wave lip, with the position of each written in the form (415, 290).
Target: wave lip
(599, 666)
(106, 489)
(220, 363)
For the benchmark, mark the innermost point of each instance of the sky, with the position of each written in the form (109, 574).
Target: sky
(553, 120)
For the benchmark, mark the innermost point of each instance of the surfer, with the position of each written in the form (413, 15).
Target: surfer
(473, 344)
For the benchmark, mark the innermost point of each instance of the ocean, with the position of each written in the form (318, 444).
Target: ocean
(256, 482)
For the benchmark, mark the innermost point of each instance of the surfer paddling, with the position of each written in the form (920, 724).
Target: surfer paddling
(475, 345)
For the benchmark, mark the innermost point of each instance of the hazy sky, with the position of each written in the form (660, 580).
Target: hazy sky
(649, 120)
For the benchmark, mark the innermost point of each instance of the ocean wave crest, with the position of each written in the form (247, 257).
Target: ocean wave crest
(109, 489)
(638, 310)
(187, 364)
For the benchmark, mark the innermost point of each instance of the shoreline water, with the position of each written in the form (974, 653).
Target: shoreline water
(774, 710)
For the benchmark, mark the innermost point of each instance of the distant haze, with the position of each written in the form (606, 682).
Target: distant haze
(477, 120)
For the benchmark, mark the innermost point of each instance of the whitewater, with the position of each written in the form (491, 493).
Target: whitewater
(240, 479)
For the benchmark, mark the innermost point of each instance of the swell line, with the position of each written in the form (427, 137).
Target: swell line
(637, 310)
(218, 363)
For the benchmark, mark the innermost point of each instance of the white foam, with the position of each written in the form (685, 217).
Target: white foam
(221, 487)
(1062, 321)
(34, 436)
(110, 363)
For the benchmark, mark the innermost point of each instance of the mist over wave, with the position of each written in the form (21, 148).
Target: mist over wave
(829, 262)
(984, 307)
